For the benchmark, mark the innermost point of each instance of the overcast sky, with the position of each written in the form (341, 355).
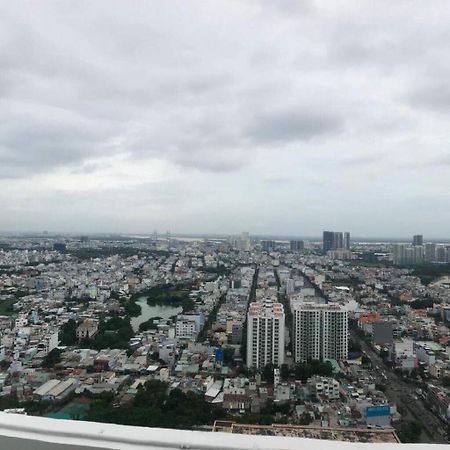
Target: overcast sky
(273, 116)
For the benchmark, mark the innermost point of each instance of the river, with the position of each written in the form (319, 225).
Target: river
(153, 311)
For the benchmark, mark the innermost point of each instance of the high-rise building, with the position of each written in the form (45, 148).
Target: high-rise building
(418, 239)
(242, 242)
(268, 246)
(338, 240)
(418, 254)
(320, 332)
(296, 246)
(441, 253)
(430, 252)
(328, 241)
(407, 254)
(399, 253)
(335, 240)
(347, 240)
(265, 334)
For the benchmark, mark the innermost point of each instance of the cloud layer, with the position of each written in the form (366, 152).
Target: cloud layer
(216, 116)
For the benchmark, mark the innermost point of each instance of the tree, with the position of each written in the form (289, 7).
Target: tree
(410, 431)
(68, 333)
(303, 371)
(305, 418)
(267, 373)
(284, 372)
(52, 358)
(228, 355)
(155, 406)
(354, 346)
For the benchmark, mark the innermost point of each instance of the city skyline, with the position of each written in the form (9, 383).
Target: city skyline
(121, 117)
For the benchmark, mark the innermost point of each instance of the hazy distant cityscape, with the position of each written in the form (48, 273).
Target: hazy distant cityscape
(331, 338)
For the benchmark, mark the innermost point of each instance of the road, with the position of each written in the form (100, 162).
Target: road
(402, 394)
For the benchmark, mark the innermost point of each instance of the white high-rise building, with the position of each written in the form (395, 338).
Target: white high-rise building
(320, 332)
(399, 253)
(441, 253)
(265, 334)
(430, 252)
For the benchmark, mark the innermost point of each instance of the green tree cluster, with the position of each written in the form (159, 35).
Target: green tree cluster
(132, 309)
(303, 371)
(149, 324)
(68, 333)
(115, 332)
(52, 358)
(167, 295)
(410, 432)
(155, 406)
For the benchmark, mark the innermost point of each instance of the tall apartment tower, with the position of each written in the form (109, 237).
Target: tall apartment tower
(297, 245)
(347, 240)
(320, 332)
(399, 253)
(417, 239)
(328, 241)
(265, 334)
(441, 253)
(430, 252)
(335, 240)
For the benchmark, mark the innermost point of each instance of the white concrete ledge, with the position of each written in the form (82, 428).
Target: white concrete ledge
(19, 432)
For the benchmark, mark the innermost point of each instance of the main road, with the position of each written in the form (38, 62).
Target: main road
(402, 394)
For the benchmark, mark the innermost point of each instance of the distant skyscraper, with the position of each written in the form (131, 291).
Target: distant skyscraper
(441, 253)
(265, 334)
(328, 239)
(418, 254)
(320, 332)
(410, 255)
(268, 246)
(347, 240)
(335, 240)
(297, 246)
(338, 240)
(399, 253)
(418, 239)
(430, 252)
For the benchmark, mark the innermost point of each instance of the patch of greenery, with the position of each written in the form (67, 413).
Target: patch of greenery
(167, 295)
(313, 367)
(410, 432)
(149, 324)
(7, 307)
(113, 333)
(430, 272)
(52, 358)
(68, 333)
(219, 270)
(132, 309)
(155, 406)
(422, 304)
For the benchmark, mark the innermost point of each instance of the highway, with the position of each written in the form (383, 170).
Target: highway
(402, 394)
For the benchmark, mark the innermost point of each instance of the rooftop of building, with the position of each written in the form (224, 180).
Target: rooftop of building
(381, 436)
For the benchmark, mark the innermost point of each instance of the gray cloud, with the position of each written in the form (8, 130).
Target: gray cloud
(434, 96)
(293, 126)
(235, 95)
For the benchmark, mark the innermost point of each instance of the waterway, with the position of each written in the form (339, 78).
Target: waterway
(148, 311)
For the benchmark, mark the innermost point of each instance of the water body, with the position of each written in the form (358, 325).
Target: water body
(164, 311)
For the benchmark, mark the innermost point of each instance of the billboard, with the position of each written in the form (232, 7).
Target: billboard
(218, 354)
(378, 411)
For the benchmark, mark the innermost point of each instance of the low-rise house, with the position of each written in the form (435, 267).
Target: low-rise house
(87, 329)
